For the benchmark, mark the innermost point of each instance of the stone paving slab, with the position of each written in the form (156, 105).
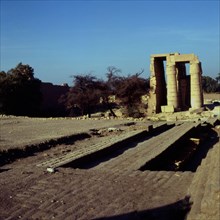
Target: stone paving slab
(134, 158)
(205, 188)
(29, 192)
(110, 142)
(213, 121)
(86, 194)
(70, 157)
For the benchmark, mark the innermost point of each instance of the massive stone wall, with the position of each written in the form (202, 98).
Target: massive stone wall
(50, 99)
(171, 88)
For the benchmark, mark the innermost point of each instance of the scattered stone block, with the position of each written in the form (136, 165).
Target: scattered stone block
(216, 111)
(167, 108)
(113, 129)
(208, 101)
(150, 128)
(171, 118)
(196, 110)
(51, 170)
(195, 140)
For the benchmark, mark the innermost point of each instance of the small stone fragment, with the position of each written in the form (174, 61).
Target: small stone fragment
(51, 170)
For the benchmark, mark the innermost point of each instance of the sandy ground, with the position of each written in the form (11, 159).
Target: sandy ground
(211, 96)
(18, 132)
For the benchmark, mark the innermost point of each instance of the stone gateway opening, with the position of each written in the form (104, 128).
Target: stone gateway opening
(171, 88)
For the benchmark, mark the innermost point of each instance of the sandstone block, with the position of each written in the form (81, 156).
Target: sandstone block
(167, 108)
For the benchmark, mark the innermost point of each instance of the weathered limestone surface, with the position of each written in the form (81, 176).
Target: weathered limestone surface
(167, 109)
(175, 89)
(195, 83)
(172, 95)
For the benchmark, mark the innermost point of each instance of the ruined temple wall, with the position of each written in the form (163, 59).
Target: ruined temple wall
(176, 92)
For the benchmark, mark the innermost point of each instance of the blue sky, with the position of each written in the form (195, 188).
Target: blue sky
(62, 38)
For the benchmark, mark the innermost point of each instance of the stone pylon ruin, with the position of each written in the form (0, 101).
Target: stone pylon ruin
(171, 89)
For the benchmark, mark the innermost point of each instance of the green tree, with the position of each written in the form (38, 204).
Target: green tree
(218, 78)
(20, 91)
(128, 90)
(84, 95)
(209, 84)
(87, 92)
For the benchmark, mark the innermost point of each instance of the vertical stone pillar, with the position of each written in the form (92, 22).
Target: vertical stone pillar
(201, 94)
(152, 100)
(172, 96)
(196, 86)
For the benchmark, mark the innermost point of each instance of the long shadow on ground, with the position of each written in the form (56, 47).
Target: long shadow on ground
(174, 211)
